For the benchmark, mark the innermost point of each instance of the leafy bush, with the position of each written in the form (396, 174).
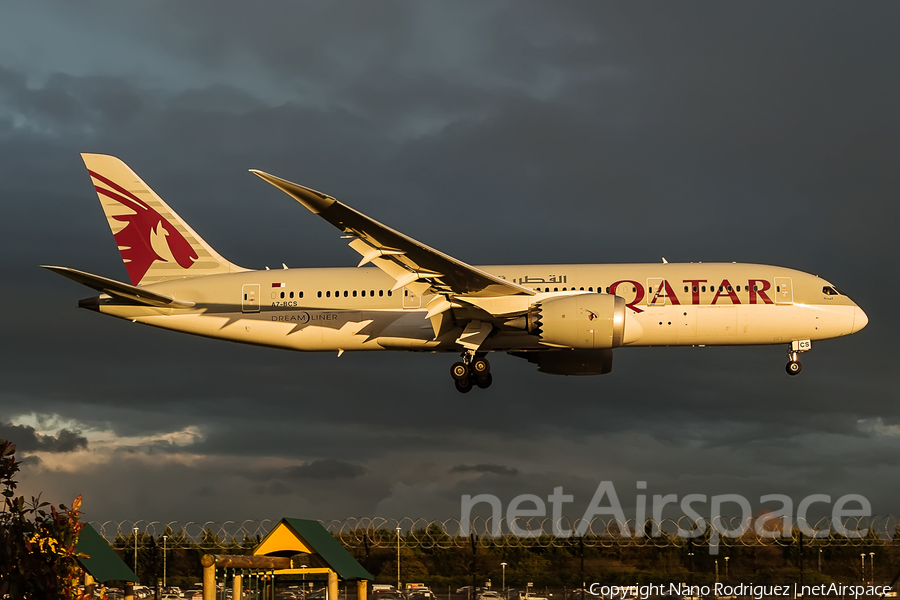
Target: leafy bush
(37, 543)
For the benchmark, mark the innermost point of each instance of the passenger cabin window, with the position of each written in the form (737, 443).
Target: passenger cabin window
(320, 294)
(328, 294)
(300, 294)
(380, 293)
(354, 293)
(282, 294)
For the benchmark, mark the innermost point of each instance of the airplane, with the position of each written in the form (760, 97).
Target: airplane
(564, 318)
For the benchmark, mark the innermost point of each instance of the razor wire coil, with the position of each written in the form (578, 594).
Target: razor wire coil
(424, 534)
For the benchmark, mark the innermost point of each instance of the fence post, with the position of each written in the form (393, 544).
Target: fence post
(333, 586)
(209, 576)
(236, 589)
(474, 567)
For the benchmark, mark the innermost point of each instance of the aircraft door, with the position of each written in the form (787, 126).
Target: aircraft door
(250, 299)
(411, 299)
(656, 294)
(784, 292)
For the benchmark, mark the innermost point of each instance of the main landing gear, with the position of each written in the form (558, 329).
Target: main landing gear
(473, 370)
(793, 366)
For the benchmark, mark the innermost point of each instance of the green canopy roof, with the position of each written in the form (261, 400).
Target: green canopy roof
(328, 548)
(102, 562)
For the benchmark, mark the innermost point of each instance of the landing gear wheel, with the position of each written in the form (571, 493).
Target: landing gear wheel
(481, 366)
(484, 380)
(463, 386)
(459, 371)
(793, 368)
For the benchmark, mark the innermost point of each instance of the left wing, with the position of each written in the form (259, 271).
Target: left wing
(403, 258)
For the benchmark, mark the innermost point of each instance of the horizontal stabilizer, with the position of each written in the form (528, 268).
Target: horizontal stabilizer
(119, 289)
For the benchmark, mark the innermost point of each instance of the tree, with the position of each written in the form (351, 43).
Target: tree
(37, 544)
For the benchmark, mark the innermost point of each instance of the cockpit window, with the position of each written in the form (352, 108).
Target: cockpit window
(830, 291)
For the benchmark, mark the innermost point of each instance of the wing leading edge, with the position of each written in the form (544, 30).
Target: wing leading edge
(403, 258)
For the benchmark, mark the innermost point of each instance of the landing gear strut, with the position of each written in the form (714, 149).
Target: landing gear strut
(473, 370)
(793, 366)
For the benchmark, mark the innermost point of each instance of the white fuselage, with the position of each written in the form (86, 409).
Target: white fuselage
(334, 309)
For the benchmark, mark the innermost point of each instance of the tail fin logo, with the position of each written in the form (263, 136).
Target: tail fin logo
(144, 226)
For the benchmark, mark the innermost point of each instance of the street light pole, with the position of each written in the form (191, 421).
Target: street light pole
(135, 551)
(863, 557)
(398, 559)
(872, 566)
(165, 537)
(505, 594)
(726, 568)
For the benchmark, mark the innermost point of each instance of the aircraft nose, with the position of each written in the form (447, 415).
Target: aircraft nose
(860, 320)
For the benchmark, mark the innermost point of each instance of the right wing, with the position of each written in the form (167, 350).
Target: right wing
(403, 258)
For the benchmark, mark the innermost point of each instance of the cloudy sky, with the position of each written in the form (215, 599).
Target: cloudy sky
(498, 132)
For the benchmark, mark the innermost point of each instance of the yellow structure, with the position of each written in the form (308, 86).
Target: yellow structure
(293, 547)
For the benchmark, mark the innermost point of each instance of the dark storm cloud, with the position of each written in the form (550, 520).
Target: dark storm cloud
(27, 439)
(325, 469)
(508, 132)
(484, 468)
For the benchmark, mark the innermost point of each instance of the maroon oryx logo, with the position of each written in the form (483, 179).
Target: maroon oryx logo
(134, 239)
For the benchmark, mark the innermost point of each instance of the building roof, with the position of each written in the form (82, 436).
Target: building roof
(306, 536)
(101, 560)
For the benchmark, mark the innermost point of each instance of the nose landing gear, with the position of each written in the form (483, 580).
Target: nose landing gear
(473, 370)
(793, 366)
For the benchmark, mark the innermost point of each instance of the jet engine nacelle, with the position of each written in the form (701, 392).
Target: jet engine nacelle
(583, 321)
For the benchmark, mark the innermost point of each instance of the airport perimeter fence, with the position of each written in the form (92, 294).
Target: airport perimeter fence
(373, 533)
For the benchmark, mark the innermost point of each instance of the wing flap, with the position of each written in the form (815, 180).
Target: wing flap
(119, 289)
(412, 260)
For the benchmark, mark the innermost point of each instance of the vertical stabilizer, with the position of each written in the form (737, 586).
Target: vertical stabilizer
(155, 243)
